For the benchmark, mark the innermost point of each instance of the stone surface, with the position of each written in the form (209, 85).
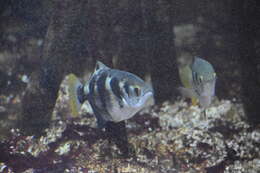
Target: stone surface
(172, 137)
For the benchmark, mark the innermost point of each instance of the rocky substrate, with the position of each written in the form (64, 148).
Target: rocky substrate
(172, 137)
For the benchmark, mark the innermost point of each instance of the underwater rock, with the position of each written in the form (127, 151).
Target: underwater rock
(41, 145)
(181, 149)
(177, 138)
(179, 115)
(172, 137)
(252, 166)
(66, 147)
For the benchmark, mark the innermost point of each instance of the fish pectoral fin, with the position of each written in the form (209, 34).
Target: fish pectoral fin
(187, 92)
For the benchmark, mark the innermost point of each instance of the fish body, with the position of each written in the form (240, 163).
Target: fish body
(201, 79)
(114, 95)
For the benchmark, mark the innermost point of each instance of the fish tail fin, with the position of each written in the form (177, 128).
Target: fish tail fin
(76, 94)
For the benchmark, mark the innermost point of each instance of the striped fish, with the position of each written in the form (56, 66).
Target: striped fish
(202, 80)
(114, 95)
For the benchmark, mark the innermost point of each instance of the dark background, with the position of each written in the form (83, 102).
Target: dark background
(45, 40)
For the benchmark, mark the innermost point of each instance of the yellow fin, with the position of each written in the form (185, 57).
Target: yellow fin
(185, 75)
(74, 84)
(194, 101)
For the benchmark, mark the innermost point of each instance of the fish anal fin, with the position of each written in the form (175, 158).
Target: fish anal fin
(187, 92)
(101, 123)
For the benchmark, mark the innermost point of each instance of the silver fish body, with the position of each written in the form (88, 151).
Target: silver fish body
(115, 95)
(202, 82)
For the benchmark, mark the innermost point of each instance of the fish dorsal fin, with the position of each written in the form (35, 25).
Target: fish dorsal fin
(194, 59)
(100, 65)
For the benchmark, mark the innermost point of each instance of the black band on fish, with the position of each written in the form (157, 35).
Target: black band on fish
(194, 78)
(126, 87)
(115, 86)
(91, 98)
(92, 89)
(101, 88)
(81, 95)
(92, 85)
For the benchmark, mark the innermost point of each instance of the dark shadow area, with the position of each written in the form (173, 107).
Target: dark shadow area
(116, 132)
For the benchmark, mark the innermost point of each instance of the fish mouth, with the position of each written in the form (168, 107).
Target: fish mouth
(147, 100)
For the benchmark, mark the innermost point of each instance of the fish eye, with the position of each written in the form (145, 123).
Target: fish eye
(137, 91)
